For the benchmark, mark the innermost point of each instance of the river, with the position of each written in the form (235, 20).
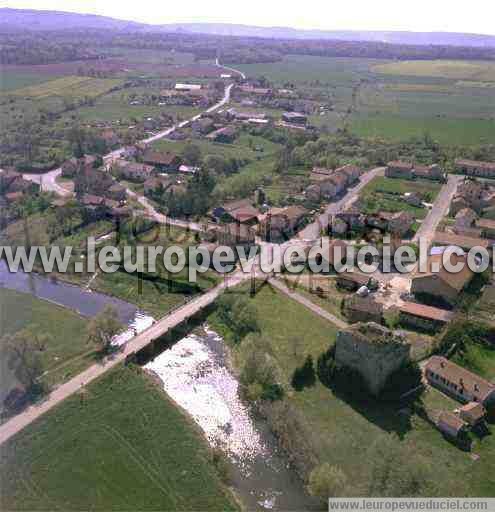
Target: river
(194, 373)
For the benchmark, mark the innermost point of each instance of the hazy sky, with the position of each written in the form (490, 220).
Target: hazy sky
(475, 16)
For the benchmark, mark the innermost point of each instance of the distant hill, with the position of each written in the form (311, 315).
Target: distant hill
(56, 20)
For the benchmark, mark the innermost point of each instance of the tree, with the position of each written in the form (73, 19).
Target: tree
(326, 481)
(103, 327)
(192, 154)
(22, 351)
(304, 376)
(238, 314)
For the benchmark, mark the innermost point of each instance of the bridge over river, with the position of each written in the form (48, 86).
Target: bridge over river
(173, 319)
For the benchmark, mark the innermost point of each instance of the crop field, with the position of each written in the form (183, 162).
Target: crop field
(122, 446)
(72, 86)
(11, 80)
(451, 69)
(450, 100)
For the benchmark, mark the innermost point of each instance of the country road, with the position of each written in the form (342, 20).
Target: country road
(313, 231)
(48, 180)
(440, 207)
(169, 321)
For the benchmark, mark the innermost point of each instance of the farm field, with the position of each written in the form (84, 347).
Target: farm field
(454, 69)
(65, 330)
(341, 431)
(385, 194)
(72, 86)
(134, 448)
(455, 107)
(11, 80)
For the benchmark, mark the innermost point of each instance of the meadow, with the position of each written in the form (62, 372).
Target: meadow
(450, 100)
(121, 445)
(385, 194)
(70, 86)
(342, 431)
(66, 348)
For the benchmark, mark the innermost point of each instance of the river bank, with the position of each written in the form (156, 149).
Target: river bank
(194, 372)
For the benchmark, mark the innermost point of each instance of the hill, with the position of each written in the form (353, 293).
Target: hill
(16, 19)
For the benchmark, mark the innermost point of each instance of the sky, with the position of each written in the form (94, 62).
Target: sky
(474, 16)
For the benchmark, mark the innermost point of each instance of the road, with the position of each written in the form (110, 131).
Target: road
(168, 322)
(313, 231)
(439, 209)
(279, 285)
(48, 180)
(240, 73)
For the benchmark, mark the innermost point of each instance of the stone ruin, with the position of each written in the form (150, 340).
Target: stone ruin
(374, 351)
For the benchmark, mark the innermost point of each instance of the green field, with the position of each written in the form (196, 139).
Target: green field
(11, 80)
(125, 446)
(450, 100)
(455, 69)
(385, 194)
(66, 349)
(71, 86)
(341, 431)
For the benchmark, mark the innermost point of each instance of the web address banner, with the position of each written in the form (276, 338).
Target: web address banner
(398, 504)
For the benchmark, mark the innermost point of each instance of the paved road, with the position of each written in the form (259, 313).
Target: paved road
(174, 318)
(439, 209)
(48, 182)
(313, 231)
(240, 73)
(279, 285)
(48, 179)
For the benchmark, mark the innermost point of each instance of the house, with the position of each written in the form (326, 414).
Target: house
(465, 218)
(337, 249)
(278, 222)
(464, 242)
(110, 137)
(339, 181)
(257, 91)
(443, 286)
(475, 168)
(399, 169)
(451, 425)
(234, 234)
(461, 384)
(203, 126)
(164, 161)
(362, 309)
(400, 223)
(295, 118)
(426, 318)
(428, 172)
(240, 211)
(225, 135)
(473, 413)
(413, 198)
(117, 192)
(187, 87)
(155, 184)
(351, 172)
(487, 227)
(352, 281)
(135, 171)
(74, 165)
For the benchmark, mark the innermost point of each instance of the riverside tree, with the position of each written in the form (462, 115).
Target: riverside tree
(103, 328)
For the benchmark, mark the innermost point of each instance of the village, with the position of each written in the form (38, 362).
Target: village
(223, 159)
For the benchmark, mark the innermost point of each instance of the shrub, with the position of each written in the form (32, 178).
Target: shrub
(304, 376)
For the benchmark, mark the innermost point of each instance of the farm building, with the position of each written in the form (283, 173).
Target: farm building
(240, 211)
(294, 118)
(134, 171)
(187, 87)
(442, 286)
(399, 169)
(164, 161)
(461, 384)
(426, 318)
(226, 135)
(475, 168)
(352, 281)
(362, 309)
(451, 425)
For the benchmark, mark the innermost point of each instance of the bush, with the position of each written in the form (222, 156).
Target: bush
(238, 314)
(326, 481)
